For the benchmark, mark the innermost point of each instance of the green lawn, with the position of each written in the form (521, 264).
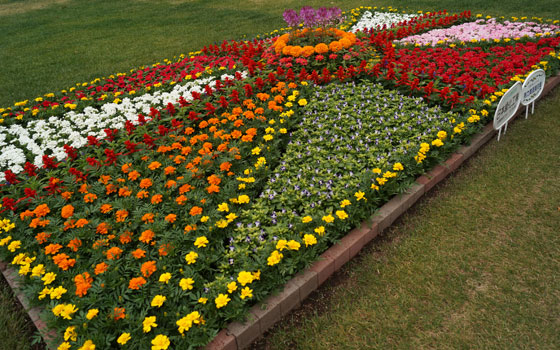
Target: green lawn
(476, 264)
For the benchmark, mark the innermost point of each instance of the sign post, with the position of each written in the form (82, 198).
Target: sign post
(532, 89)
(507, 107)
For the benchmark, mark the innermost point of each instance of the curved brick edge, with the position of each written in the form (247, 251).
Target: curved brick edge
(265, 314)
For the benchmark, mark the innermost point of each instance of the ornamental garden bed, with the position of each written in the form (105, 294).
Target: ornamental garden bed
(202, 186)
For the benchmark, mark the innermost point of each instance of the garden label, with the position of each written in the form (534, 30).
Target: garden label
(507, 107)
(532, 89)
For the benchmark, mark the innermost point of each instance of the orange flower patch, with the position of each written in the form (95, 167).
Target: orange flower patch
(179, 159)
(195, 211)
(41, 210)
(185, 188)
(148, 268)
(104, 179)
(42, 237)
(67, 211)
(38, 222)
(145, 183)
(106, 208)
(138, 253)
(169, 170)
(164, 249)
(213, 189)
(74, 244)
(114, 253)
(119, 313)
(148, 218)
(125, 168)
(190, 228)
(25, 214)
(67, 195)
(110, 188)
(121, 215)
(100, 268)
(69, 224)
(133, 175)
(83, 188)
(146, 236)
(154, 165)
(171, 218)
(63, 262)
(142, 194)
(156, 199)
(52, 248)
(189, 130)
(124, 191)
(90, 197)
(181, 200)
(81, 223)
(136, 283)
(126, 237)
(83, 283)
(102, 228)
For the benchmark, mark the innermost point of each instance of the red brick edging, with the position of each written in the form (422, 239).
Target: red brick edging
(265, 314)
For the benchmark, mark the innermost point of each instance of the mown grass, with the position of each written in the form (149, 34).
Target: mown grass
(473, 266)
(49, 45)
(506, 291)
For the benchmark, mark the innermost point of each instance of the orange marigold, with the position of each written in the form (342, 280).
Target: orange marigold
(126, 237)
(145, 183)
(52, 248)
(121, 215)
(164, 249)
(81, 223)
(185, 188)
(148, 218)
(136, 283)
(169, 170)
(142, 194)
(41, 210)
(119, 313)
(335, 46)
(83, 283)
(90, 197)
(321, 48)
(213, 189)
(156, 199)
(154, 165)
(74, 244)
(133, 175)
(67, 211)
(114, 253)
(125, 168)
(106, 208)
(171, 218)
(124, 191)
(42, 237)
(181, 199)
(100, 268)
(67, 195)
(146, 236)
(195, 211)
(102, 228)
(148, 268)
(104, 179)
(308, 51)
(138, 253)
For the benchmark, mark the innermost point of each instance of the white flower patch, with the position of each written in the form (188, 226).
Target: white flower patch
(373, 20)
(48, 136)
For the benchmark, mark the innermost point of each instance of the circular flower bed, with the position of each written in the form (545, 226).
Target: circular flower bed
(311, 41)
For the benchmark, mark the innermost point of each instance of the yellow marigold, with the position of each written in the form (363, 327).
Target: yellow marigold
(160, 342)
(186, 283)
(274, 258)
(158, 300)
(221, 300)
(149, 323)
(123, 338)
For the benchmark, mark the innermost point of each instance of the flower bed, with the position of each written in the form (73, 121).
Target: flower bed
(162, 232)
(482, 30)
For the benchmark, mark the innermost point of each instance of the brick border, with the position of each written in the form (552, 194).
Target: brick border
(264, 315)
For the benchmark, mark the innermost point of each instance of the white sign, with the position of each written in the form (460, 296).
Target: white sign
(532, 89)
(507, 107)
